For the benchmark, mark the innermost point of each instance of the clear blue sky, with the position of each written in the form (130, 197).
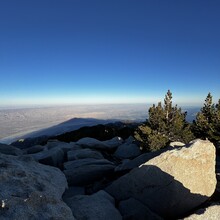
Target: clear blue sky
(108, 51)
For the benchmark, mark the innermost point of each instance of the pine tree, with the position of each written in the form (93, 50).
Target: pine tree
(207, 123)
(165, 124)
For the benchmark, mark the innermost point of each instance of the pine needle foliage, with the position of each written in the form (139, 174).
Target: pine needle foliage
(207, 123)
(166, 123)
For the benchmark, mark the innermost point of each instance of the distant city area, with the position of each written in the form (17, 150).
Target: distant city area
(15, 123)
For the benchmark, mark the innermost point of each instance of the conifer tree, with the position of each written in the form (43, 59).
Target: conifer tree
(165, 124)
(207, 123)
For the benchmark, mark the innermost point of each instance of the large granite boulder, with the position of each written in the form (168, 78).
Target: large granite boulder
(172, 183)
(92, 143)
(127, 151)
(34, 149)
(29, 190)
(52, 157)
(65, 147)
(53, 153)
(137, 161)
(99, 206)
(10, 150)
(130, 164)
(85, 171)
(84, 153)
(114, 142)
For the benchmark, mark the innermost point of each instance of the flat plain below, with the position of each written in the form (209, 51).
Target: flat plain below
(15, 123)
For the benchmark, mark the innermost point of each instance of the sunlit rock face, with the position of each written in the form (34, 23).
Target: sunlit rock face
(172, 183)
(193, 166)
(30, 190)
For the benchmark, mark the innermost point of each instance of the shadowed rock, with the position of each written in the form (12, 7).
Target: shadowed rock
(83, 153)
(114, 142)
(52, 157)
(85, 171)
(133, 209)
(99, 206)
(174, 182)
(10, 150)
(126, 151)
(34, 149)
(92, 143)
(212, 212)
(130, 164)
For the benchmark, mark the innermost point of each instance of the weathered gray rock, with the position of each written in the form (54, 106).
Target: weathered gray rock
(92, 143)
(130, 164)
(52, 153)
(29, 190)
(130, 140)
(114, 142)
(210, 213)
(65, 147)
(99, 206)
(34, 149)
(126, 151)
(84, 153)
(10, 150)
(84, 162)
(52, 157)
(85, 171)
(133, 209)
(163, 182)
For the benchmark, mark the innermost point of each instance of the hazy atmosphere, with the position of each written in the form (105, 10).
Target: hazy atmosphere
(119, 51)
(109, 109)
(103, 59)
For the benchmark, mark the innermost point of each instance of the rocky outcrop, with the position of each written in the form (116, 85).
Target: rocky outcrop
(114, 142)
(53, 157)
(92, 143)
(127, 151)
(85, 171)
(108, 145)
(83, 153)
(10, 150)
(168, 183)
(53, 153)
(144, 157)
(136, 162)
(29, 190)
(34, 149)
(99, 206)
(163, 182)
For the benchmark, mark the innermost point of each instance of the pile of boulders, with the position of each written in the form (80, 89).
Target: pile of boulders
(92, 179)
